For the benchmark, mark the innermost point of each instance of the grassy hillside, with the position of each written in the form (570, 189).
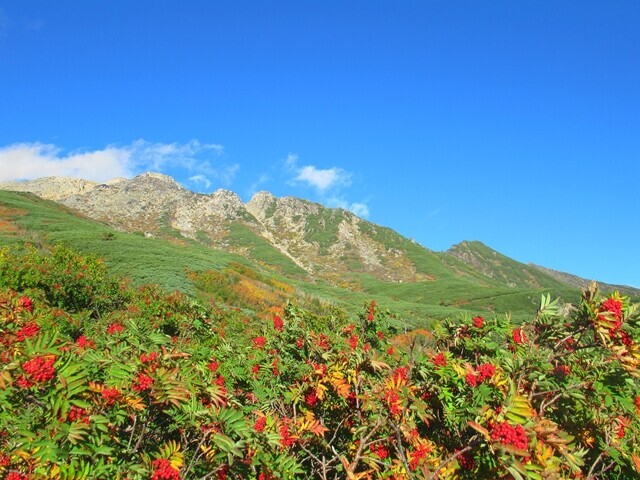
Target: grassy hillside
(179, 263)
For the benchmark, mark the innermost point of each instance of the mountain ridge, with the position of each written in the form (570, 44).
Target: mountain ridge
(297, 236)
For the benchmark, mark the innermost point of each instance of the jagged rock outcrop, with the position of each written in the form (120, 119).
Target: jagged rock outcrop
(323, 241)
(288, 232)
(51, 188)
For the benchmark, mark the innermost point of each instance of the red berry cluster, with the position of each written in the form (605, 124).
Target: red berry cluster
(5, 460)
(261, 422)
(259, 342)
(29, 330)
(17, 476)
(78, 414)
(440, 360)
(274, 367)
(483, 372)
(379, 450)
(286, 440)
(311, 398)
(213, 366)
(400, 374)
(561, 371)
(353, 341)
(114, 328)
(508, 434)
(143, 382)
(111, 395)
(417, 455)
(394, 402)
(144, 358)
(518, 336)
(322, 342)
(26, 303)
(278, 324)
(471, 379)
(486, 371)
(466, 461)
(613, 307)
(478, 322)
(82, 342)
(371, 311)
(348, 330)
(38, 370)
(163, 470)
(626, 339)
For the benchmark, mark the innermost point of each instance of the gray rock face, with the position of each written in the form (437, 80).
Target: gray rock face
(322, 241)
(51, 188)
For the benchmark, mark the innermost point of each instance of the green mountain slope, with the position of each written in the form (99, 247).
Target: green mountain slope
(449, 287)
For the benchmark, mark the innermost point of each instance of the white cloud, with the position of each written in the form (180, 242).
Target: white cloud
(323, 179)
(225, 174)
(200, 180)
(357, 208)
(327, 181)
(360, 209)
(291, 161)
(253, 188)
(24, 161)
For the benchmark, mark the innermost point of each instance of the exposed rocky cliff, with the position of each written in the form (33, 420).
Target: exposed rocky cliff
(323, 241)
(288, 233)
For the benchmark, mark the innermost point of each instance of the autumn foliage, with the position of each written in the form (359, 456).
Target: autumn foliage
(102, 380)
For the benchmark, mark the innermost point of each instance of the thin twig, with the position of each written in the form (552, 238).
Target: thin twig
(400, 450)
(593, 466)
(133, 429)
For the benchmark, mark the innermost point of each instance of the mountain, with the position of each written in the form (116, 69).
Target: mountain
(502, 268)
(297, 235)
(167, 234)
(519, 275)
(582, 283)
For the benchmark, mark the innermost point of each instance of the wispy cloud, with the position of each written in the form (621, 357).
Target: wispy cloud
(255, 186)
(200, 180)
(323, 179)
(23, 161)
(360, 209)
(320, 179)
(329, 184)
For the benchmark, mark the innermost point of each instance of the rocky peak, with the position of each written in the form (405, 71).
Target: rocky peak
(323, 241)
(260, 204)
(223, 203)
(51, 188)
(226, 196)
(157, 176)
(152, 181)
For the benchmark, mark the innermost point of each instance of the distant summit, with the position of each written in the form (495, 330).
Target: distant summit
(310, 239)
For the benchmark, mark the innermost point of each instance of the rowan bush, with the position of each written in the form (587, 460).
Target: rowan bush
(150, 385)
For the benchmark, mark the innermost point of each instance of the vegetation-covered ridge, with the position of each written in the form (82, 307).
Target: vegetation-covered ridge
(99, 379)
(179, 263)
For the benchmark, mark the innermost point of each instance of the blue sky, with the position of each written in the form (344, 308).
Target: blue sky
(513, 123)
